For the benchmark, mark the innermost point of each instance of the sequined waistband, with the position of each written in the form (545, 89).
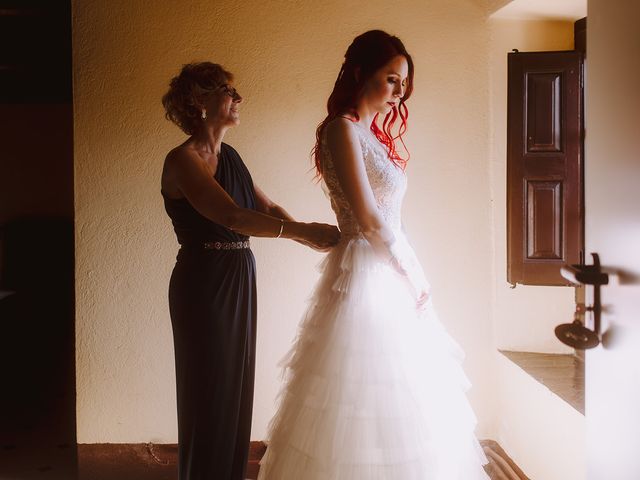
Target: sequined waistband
(219, 245)
(226, 245)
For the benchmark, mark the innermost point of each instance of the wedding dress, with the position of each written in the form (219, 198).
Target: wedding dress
(373, 387)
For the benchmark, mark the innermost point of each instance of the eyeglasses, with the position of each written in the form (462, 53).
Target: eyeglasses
(229, 90)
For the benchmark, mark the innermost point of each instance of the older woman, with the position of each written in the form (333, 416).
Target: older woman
(215, 207)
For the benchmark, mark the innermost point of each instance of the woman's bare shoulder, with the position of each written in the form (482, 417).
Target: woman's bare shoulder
(182, 153)
(176, 162)
(181, 158)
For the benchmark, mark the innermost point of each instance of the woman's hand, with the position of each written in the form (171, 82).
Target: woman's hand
(321, 236)
(314, 247)
(268, 207)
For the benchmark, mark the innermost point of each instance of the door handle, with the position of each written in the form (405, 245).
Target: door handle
(577, 334)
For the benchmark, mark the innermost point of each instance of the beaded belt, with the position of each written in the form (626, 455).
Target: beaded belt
(226, 245)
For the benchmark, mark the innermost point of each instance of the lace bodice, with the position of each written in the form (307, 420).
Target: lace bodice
(388, 182)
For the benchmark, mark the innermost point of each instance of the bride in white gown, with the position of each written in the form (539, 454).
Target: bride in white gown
(374, 389)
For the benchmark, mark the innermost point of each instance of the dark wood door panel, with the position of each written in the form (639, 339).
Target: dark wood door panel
(543, 129)
(544, 166)
(35, 57)
(544, 220)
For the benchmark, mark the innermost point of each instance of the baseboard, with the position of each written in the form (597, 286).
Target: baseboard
(148, 461)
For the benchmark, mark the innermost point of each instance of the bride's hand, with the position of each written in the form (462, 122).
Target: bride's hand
(423, 300)
(414, 277)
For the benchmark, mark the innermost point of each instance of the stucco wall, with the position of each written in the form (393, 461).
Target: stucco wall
(525, 316)
(285, 56)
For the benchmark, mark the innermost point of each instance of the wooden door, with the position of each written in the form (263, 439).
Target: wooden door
(544, 166)
(37, 336)
(612, 196)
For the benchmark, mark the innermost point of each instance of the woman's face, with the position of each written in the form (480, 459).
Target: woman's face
(223, 105)
(386, 87)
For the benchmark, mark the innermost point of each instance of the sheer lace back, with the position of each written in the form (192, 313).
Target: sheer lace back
(388, 182)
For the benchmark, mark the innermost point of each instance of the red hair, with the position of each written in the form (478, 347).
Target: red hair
(367, 54)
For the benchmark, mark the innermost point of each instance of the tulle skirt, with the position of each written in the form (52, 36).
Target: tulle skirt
(373, 388)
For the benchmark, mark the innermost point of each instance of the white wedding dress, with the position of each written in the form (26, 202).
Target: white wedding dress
(373, 388)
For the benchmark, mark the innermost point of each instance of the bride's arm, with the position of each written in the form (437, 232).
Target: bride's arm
(347, 158)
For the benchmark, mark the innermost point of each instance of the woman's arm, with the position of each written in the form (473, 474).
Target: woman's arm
(194, 180)
(265, 205)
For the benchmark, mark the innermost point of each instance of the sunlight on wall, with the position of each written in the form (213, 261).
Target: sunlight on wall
(285, 56)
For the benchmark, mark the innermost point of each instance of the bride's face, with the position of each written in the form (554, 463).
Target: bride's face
(386, 87)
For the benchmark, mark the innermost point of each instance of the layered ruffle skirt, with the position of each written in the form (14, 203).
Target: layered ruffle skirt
(373, 388)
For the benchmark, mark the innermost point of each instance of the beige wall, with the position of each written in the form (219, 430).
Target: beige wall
(526, 316)
(285, 56)
(542, 433)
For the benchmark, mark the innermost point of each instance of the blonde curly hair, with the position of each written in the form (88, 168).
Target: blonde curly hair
(194, 81)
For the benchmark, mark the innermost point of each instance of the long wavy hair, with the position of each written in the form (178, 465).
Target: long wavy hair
(367, 54)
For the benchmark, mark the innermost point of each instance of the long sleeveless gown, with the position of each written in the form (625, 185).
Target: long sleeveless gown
(373, 389)
(212, 302)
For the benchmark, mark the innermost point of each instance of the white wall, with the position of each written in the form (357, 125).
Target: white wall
(613, 230)
(544, 435)
(526, 316)
(285, 56)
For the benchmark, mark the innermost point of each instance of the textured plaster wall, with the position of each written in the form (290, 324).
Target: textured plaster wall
(525, 316)
(285, 56)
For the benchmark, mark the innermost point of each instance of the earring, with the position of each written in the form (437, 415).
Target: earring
(204, 114)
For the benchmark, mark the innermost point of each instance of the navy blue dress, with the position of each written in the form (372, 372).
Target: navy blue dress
(212, 301)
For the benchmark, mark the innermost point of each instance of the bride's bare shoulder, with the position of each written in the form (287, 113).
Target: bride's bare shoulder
(340, 130)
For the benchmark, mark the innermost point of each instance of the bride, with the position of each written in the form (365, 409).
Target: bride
(374, 389)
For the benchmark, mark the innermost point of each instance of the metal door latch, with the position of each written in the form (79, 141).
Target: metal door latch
(577, 334)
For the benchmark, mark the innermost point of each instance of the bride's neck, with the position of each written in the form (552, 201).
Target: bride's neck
(365, 114)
